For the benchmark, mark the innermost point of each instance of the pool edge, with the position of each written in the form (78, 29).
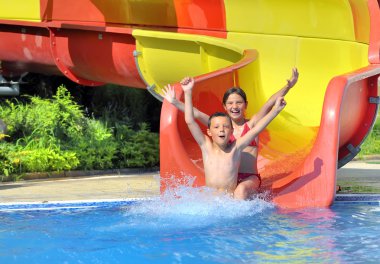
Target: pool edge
(370, 199)
(358, 198)
(69, 204)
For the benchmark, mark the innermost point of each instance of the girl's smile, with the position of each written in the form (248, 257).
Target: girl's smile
(235, 106)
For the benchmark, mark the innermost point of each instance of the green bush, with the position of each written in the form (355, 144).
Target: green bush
(7, 164)
(136, 148)
(54, 134)
(124, 105)
(95, 147)
(42, 159)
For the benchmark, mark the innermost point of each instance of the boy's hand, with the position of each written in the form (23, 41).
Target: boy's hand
(187, 83)
(279, 105)
(169, 93)
(294, 79)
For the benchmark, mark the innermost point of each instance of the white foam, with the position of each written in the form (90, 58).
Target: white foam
(193, 207)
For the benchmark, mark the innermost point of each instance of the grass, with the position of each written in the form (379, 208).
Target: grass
(371, 145)
(373, 162)
(355, 187)
(370, 151)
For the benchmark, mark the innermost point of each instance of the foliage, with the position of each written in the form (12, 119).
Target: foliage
(137, 148)
(6, 164)
(124, 105)
(95, 147)
(55, 134)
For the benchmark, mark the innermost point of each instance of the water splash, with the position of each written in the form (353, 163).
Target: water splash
(188, 207)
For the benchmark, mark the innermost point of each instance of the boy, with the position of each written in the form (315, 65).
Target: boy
(221, 158)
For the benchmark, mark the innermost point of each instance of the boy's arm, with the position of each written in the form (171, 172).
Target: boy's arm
(272, 100)
(169, 95)
(187, 86)
(245, 140)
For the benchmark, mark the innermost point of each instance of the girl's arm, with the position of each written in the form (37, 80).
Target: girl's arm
(169, 95)
(272, 100)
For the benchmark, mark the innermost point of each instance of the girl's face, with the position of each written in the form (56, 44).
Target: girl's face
(235, 106)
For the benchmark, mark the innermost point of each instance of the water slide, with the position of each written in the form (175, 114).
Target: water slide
(254, 44)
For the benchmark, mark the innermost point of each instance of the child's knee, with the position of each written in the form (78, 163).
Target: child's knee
(245, 191)
(241, 192)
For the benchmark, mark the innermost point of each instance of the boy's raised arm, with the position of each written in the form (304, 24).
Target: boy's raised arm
(244, 141)
(169, 95)
(187, 85)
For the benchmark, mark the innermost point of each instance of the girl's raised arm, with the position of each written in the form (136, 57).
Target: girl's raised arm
(169, 95)
(272, 100)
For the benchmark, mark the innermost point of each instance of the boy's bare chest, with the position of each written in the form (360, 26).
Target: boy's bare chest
(221, 159)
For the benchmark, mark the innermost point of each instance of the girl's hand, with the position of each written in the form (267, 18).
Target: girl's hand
(294, 79)
(169, 93)
(187, 83)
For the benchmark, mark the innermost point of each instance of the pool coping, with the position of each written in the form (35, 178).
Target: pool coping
(369, 199)
(69, 204)
(358, 198)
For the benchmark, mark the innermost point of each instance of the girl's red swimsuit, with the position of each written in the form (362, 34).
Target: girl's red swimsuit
(244, 175)
(245, 130)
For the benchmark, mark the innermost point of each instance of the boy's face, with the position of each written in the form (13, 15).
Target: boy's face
(220, 130)
(235, 106)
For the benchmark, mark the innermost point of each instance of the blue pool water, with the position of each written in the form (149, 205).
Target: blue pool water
(194, 228)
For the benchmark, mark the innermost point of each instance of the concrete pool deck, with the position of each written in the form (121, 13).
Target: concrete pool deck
(137, 185)
(121, 186)
(360, 175)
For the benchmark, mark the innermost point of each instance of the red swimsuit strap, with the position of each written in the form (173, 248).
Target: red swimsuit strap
(245, 130)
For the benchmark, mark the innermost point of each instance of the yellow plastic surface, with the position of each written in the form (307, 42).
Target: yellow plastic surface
(146, 12)
(331, 19)
(168, 57)
(317, 60)
(26, 10)
(132, 12)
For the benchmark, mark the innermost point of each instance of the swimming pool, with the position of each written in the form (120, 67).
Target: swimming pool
(189, 229)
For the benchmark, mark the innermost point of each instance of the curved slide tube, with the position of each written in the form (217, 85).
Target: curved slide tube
(303, 177)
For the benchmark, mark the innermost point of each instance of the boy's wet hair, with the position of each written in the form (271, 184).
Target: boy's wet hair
(234, 90)
(216, 114)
